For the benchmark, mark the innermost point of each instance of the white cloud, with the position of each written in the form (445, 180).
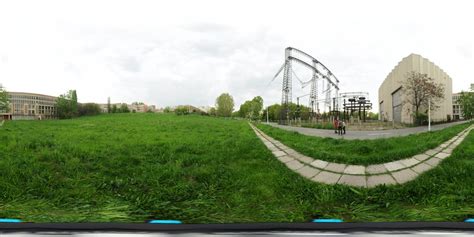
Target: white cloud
(188, 52)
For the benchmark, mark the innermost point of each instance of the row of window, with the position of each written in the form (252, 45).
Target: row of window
(24, 109)
(33, 101)
(29, 97)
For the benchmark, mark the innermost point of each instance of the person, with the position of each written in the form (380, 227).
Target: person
(344, 127)
(335, 125)
(339, 128)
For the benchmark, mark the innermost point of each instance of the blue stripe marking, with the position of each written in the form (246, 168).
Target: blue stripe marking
(327, 220)
(165, 222)
(470, 220)
(7, 220)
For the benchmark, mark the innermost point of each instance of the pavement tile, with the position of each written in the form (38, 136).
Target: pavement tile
(304, 159)
(294, 164)
(290, 151)
(285, 158)
(404, 176)
(433, 161)
(448, 150)
(376, 180)
(420, 168)
(395, 165)
(279, 153)
(410, 162)
(308, 171)
(421, 157)
(431, 152)
(355, 169)
(326, 177)
(335, 167)
(442, 155)
(319, 164)
(375, 169)
(278, 144)
(438, 149)
(353, 180)
(444, 144)
(274, 148)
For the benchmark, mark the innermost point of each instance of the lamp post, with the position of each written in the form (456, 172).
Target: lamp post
(267, 114)
(429, 114)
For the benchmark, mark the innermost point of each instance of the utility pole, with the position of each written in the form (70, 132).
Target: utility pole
(267, 114)
(429, 114)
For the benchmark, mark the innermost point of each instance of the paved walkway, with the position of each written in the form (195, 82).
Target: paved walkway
(395, 172)
(364, 134)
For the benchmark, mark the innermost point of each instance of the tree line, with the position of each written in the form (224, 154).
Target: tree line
(67, 106)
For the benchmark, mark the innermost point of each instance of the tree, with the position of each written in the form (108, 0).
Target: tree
(114, 109)
(418, 89)
(66, 105)
(256, 107)
(213, 112)
(4, 100)
(224, 105)
(466, 101)
(373, 116)
(124, 109)
(89, 109)
(109, 107)
(181, 110)
(273, 112)
(74, 105)
(245, 108)
(167, 109)
(251, 109)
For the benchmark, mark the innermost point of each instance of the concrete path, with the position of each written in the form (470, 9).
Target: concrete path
(390, 173)
(364, 134)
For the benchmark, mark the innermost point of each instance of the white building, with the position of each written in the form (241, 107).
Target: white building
(391, 98)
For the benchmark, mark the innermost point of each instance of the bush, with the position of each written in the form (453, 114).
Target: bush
(88, 109)
(421, 119)
(181, 110)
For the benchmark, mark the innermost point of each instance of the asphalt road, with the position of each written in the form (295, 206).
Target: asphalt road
(365, 134)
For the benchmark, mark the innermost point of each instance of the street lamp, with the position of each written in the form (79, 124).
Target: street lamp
(429, 114)
(267, 114)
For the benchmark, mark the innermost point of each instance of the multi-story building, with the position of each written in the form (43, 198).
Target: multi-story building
(391, 98)
(457, 109)
(138, 107)
(134, 107)
(29, 106)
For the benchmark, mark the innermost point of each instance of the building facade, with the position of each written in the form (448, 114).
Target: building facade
(30, 106)
(391, 98)
(457, 109)
(134, 107)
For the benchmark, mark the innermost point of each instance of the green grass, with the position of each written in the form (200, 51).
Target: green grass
(134, 167)
(362, 152)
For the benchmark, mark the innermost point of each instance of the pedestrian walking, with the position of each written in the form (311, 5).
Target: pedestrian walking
(335, 123)
(344, 127)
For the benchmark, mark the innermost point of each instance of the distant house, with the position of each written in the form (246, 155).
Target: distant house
(134, 107)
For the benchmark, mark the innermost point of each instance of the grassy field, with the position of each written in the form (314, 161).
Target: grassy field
(362, 152)
(134, 167)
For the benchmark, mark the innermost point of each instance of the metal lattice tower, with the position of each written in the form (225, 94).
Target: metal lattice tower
(311, 63)
(286, 87)
(313, 94)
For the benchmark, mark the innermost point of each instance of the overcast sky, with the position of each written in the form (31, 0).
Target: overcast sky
(188, 52)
